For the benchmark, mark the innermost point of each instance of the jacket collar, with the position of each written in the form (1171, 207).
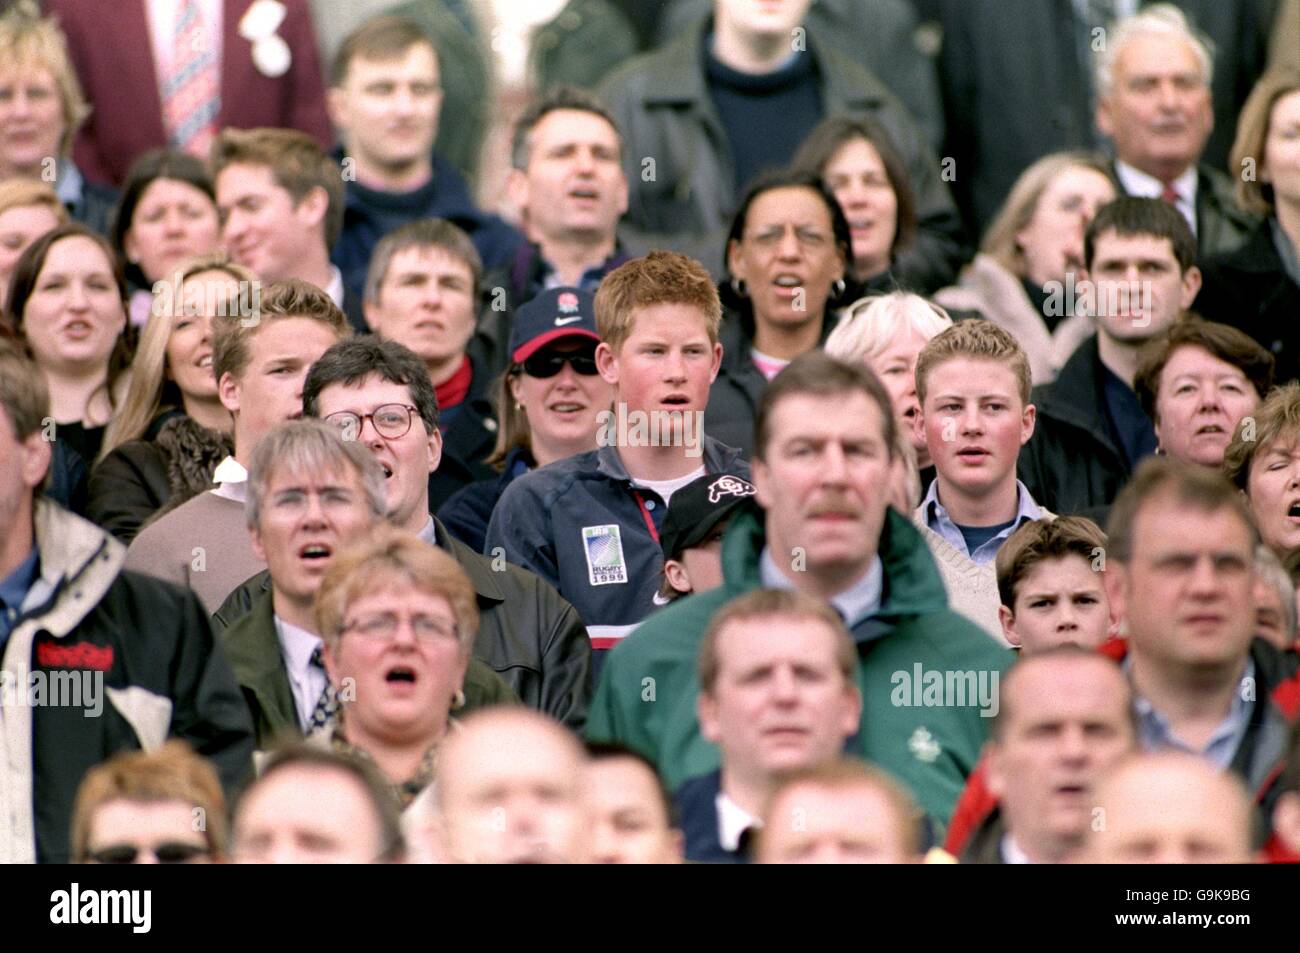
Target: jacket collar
(718, 458)
(912, 585)
(73, 552)
(477, 566)
(1075, 396)
(253, 650)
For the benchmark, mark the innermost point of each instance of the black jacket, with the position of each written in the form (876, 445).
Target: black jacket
(697, 811)
(734, 395)
(254, 652)
(1071, 464)
(1250, 290)
(527, 633)
(468, 438)
(162, 677)
(138, 478)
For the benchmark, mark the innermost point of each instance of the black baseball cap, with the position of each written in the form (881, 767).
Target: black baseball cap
(698, 507)
(552, 315)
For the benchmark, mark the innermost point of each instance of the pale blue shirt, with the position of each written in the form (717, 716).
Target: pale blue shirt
(860, 601)
(937, 518)
(1154, 733)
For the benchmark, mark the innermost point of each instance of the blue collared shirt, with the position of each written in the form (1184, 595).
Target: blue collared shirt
(860, 601)
(13, 591)
(1154, 733)
(937, 518)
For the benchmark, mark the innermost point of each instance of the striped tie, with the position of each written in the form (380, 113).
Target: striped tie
(191, 95)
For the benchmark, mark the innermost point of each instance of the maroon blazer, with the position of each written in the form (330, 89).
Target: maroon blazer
(113, 54)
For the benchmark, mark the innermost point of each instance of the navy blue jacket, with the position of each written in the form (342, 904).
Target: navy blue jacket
(545, 521)
(697, 815)
(492, 236)
(467, 512)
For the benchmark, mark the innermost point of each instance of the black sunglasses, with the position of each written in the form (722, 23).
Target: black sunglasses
(170, 852)
(549, 363)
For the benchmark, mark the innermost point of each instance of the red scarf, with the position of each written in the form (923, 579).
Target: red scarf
(453, 390)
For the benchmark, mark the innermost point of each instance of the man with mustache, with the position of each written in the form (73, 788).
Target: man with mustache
(385, 98)
(824, 447)
(778, 694)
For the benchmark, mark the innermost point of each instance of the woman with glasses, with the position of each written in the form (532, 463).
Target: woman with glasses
(550, 399)
(172, 430)
(787, 258)
(398, 619)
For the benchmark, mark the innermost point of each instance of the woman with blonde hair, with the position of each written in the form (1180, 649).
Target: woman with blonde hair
(171, 430)
(36, 71)
(886, 333)
(1020, 278)
(28, 209)
(1257, 287)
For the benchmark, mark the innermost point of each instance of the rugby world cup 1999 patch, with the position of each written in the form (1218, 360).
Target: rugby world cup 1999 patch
(604, 548)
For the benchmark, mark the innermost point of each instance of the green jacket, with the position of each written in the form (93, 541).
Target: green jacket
(253, 651)
(647, 693)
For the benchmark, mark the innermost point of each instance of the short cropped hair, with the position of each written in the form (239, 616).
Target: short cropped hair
(351, 361)
(979, 339)
(1221, 340)
(383, 39)
(172, 772)
(764, 605)
(1160, 19)
(20, 193)
(869, 325)
(1067, 652)
(291, 298)
(1276, 420)
(310, 757)
(1194, 488)
(612, 751)
(556, 98)
(311, 446)
(1039, 540)
(816, 373)
(661, 277)
(422, 233)
(1130, 217)
(1270, 571)
(24, 394)
(847, 774)
(297, 164)
(1252, 134)
(389, 555)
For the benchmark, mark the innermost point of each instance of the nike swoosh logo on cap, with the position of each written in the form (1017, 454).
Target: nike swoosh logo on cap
(560, 322)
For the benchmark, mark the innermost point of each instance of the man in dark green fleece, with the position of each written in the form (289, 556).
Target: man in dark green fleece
(824, 451)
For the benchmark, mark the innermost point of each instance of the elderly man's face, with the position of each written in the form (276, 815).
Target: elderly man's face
(814, 824)
(1159, 112)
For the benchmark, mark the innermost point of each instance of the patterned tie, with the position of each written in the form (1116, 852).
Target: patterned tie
(191, 94)
(327, 705)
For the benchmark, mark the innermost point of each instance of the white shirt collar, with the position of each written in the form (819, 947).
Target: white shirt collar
(335, 288)
(1011, 852)
(298, 644)
(429, 532)
(231, 479)
(733, 820)
(1138, 183)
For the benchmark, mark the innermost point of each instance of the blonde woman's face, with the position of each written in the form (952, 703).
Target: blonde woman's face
(1052, 242)
(1282, 148)
(74, 314)
(19, 227)
(896, 368)
(31, 121)
(189, 344)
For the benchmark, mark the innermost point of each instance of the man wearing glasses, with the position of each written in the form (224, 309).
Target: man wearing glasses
(422, 292)
(377, 393)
